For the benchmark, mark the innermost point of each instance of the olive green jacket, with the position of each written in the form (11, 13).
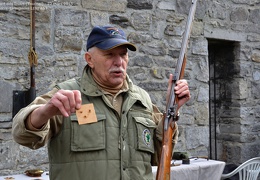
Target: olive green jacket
(115, 147)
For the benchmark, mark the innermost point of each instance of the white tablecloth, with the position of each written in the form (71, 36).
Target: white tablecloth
(199, 169)
(44, 176)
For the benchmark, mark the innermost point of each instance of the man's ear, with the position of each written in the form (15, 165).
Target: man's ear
(88, 59)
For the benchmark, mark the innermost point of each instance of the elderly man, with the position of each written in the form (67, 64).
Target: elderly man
(100, 126)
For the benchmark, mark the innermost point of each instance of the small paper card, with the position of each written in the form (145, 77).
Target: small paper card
(86, 114)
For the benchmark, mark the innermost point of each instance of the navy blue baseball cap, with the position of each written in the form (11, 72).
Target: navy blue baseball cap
(108, 37)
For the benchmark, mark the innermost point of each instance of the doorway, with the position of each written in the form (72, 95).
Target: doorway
(223, 68)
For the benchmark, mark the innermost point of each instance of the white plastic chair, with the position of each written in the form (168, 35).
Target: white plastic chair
(249, 170)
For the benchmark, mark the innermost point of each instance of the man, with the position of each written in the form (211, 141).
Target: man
(114, 137)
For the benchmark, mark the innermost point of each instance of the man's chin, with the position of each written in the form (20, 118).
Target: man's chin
(117, 82)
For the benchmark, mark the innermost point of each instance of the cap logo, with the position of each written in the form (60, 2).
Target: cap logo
(114, 31)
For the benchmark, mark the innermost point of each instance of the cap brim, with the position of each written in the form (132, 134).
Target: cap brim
(113, 43)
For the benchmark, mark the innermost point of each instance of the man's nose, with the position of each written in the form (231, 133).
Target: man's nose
(118, 60)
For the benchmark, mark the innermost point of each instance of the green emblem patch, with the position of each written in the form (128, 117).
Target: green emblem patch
(147, 137)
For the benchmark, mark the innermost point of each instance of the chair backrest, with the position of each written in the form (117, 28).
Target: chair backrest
(249, 170)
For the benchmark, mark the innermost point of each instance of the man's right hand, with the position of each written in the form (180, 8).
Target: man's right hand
(63, 102)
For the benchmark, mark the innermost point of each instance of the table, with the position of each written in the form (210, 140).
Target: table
(198, 169)
(45, 176)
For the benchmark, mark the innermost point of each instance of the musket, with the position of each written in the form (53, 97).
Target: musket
(171, 116)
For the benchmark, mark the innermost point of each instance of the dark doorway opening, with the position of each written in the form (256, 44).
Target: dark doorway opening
(223, 68)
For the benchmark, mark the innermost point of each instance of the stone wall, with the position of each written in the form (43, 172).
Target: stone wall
(156, 27)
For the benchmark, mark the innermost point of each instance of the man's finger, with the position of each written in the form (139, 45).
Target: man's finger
(59, 105)
(66, 98)
(77, 97)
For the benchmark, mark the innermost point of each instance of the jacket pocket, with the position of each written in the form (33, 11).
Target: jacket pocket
(88, 137)
(145, 130)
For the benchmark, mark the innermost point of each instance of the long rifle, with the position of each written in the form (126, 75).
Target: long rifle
(171, 116)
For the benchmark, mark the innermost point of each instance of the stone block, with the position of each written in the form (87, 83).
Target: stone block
(186, 120)
(7, 72)
(241, 86)
(200, 46)
(239, 14)
(137, 38)
(6, 97)
(68, 39)
(257, 111)
(106, 5)
(173, 30)
(256, 57)
(245, 69)
(201, 114)
(29, 157)
(217, 33)
(197, 136)
(167, 5)
(255, 90)
(183, 7)
(230, 128)
(8, 154)
(141, 20)
(119, 20)
(141, 61)
(200, 69)
(156, 49)
(98, 18)
(137, 74)
(203, 94)
(69, 17)
(254, 16)
(256, 75)
(217, 10)
(140, 4)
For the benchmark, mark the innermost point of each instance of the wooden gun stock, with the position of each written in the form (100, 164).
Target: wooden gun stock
(170, 117)
(164, 167)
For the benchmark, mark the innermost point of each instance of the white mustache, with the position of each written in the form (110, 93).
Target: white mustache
(119, 69)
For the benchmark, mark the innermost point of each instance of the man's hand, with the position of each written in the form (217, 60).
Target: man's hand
(181, 91)
(63, 102)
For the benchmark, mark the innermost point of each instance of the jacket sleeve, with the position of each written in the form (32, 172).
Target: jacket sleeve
(38, 137)
(158, 119)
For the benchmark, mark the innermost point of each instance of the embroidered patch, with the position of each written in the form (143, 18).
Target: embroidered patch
(114, 31)
(147, 137)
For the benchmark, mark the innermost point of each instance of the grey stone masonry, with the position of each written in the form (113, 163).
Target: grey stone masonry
(156, 27)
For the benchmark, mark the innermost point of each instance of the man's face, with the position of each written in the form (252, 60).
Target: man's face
(108, 66)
